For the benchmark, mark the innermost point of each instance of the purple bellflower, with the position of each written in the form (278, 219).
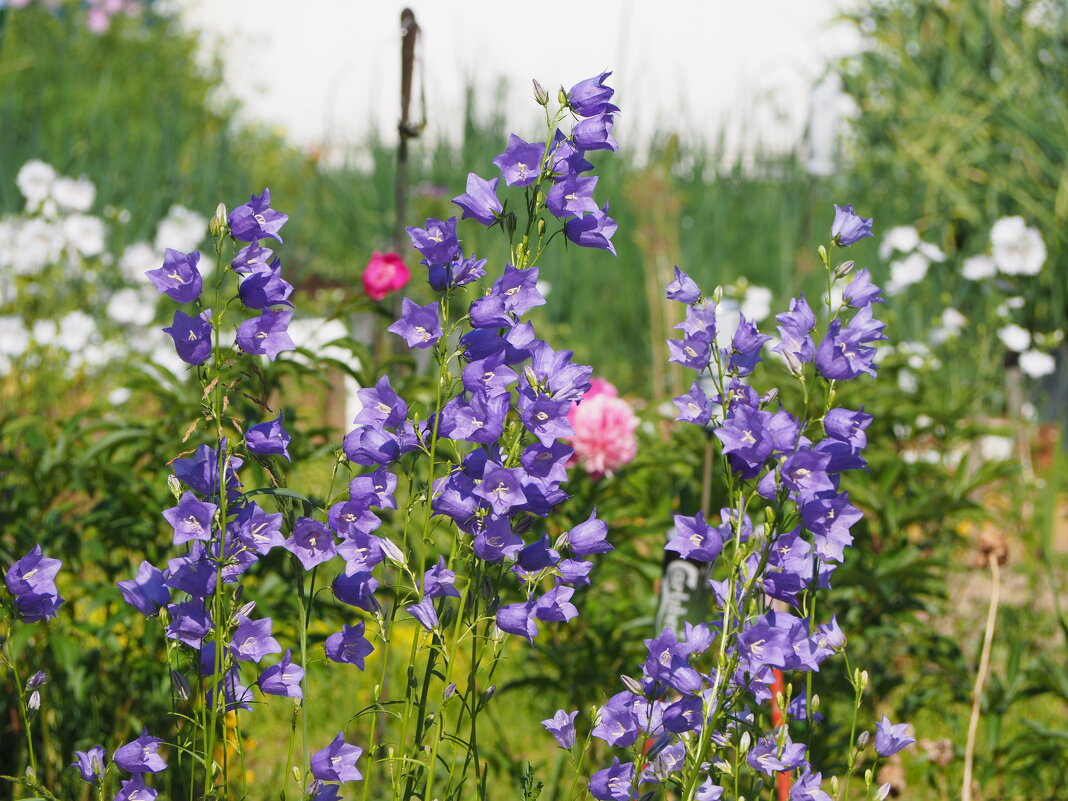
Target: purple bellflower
(134, 789)
(683, 289)
(252, 640)
(591, 97)
(90, 764)
(140, 755)
(848, 227)
(178, 278)
(593, 230)
(337, 762)
(437, 242)
(419, 326)
(191, 518)
(562, 727)
(264, 287)
(192, 336)
(312, 543)
(267, 334)
(146, 593)
(480, 201)
(891, 738)
(349, 646)
(520, 163)
(256, 220)
(613, 783)
(268, 438)
(282, 679)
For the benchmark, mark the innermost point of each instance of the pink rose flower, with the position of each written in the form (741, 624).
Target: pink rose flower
(385, 273)
(604, 427)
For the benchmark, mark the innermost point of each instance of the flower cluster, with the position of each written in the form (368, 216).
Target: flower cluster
(695, 699)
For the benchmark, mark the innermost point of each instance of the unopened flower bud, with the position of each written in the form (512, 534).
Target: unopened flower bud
(561, 97)
(863, 680)
(744, 743)
(541, 96)
(175, 486)
(36, 680)
(181, 686)
(218, 224)
(862, 740)
(882, 792)
(392, 552)
(541, 227)
(35, 701)
(450, 691)
(246, 610)
(844, 269)
(834, 786)
(632, 684)
(793, 363)
(868, 776)
(823, 256)
(815, 703)
(489, 693)
(769, 396)
(717, 295)
(723, 766)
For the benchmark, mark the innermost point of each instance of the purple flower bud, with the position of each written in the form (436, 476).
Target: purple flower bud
(425, 613)
(590, 97)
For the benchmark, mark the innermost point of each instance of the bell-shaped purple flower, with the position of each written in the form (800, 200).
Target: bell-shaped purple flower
(520, 163)
(251, 258)
(140, 755)
(593, 230)
(264, 287)
(849, 227)
(425, 613)
(589, 537)
(349, 646)
(282, 679)
(613, 783)
(515, 292)
(33, 573)
(337, 762)
(377, 487)
(562, 727)
(595, 133)
(480, 201)
(591, 97)
(518, 619)
(891, 738)
(438, 581)
(861, 291)
(189, 622)
(312, 543)
(356, 589)
(572, 197)
(683, 289)
(135, 790)
(191, 518)
(256, 220)
(192, 336)
(496, 540)
(267, 334)
(694, 406)
(268, 438)
(381, 405)
(178, 278)
(437, 242)
(252, 640)
(555, 606)
(695, 539)
(146, 593)
(90, 764)
(419, 326)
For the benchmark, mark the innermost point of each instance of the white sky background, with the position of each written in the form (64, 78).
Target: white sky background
(328, 71)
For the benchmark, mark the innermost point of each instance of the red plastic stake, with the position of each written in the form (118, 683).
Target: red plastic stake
(782, 780)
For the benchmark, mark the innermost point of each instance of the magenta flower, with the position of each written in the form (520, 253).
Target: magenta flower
(384, 273)
(604, 438)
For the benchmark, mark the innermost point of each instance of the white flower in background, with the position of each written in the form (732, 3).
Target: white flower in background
(1036, 364)
(544, 287)
(85, 233)
(756, 303)
(182, 229)
(132, 307)
(136, 260)
(75, 195)
(1017, 249)
(1015, 338)
(995, 448)
(38, 243)
(837, 295)
(35, 180)
(119, 396)
(950, 323)
(76, 330)
(727, 321)
(976, 268)
(931, 252)
(917, 354)
(907, 381)
(14, 338)
(44, 332)
(906, 272)
(901, 239)
(313, 333)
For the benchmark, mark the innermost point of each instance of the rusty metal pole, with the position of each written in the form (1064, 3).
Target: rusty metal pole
(405, 129)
